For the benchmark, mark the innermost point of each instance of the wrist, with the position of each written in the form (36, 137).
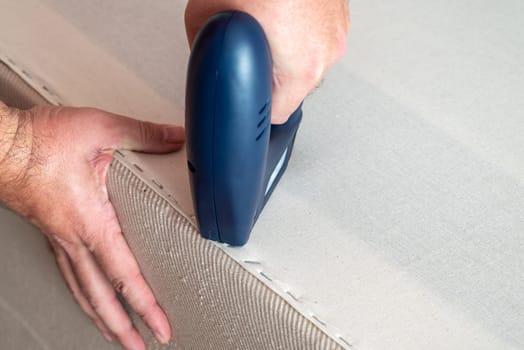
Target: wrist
(16, 143)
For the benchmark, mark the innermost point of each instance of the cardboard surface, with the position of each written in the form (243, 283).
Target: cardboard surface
(36, 310)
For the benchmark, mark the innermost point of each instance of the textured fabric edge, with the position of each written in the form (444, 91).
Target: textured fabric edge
(119, 176)
(31, 79)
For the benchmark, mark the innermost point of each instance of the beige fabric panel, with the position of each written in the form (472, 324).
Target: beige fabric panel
(211, 300)
(15, 92)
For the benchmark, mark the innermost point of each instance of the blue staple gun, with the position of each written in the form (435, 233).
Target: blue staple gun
(235, 156)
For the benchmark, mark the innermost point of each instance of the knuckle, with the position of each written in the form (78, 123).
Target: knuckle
(341, 47)
(124, 285)
(101, 240)
(314, 71)
(65, 250)
(120, 286)
(340, 40)
(91, 242)
(147, 132)
(58, 243)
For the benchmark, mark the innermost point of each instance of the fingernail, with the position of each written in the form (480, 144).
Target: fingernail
(174, 134)
(161, 337)
(107, 337)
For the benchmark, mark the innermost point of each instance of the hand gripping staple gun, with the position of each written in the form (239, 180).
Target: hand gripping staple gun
(235, 156)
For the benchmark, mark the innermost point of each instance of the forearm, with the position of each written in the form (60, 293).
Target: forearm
(16, 144)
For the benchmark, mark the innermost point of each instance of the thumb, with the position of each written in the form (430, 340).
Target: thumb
(148, 137)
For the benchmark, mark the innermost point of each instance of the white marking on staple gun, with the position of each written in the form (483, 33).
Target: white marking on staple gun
(277, 170)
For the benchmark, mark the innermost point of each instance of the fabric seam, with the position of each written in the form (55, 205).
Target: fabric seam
(252, 266)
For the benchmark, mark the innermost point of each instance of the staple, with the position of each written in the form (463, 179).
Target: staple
(138, 168)
(29, 76)
(318, 320)
(344, 341)
(170, 196)
(159, 185)
(49, 91)
(252, 262)
(293, 296)
(263, 274)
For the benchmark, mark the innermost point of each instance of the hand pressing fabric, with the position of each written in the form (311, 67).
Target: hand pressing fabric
(306, 38)
(53, 165)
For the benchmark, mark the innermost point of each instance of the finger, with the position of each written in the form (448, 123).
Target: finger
(102, 298)
(119, 264)
(288, 94)
(148, 137)
(62, 260)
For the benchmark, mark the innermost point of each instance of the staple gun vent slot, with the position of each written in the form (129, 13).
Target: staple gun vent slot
(261, 134)
(264, 107)
(261, 122)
